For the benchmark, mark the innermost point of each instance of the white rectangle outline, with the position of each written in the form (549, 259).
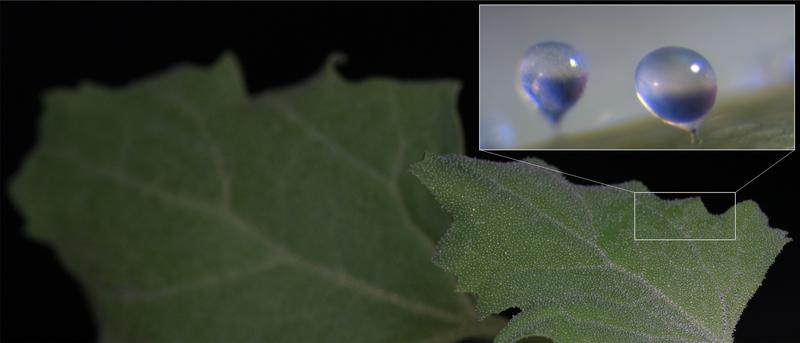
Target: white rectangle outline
(794, 83)
(685, 239)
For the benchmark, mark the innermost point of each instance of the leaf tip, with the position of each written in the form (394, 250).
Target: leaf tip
(752, 207)
(228, 67)
(227, 60)
(334, 60)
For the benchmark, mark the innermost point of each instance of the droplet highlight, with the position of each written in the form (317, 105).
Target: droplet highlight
(677, 85)
(553, 76)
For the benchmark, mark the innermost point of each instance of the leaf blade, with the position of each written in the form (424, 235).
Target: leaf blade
(180, 201)
(565, 254)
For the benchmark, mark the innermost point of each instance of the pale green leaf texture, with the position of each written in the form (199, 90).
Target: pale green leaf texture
(762, 119)
(192, 212)
(565, 255)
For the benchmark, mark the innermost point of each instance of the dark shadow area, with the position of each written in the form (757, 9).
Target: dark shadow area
(38, 292)
(510, 312)
(715, 203)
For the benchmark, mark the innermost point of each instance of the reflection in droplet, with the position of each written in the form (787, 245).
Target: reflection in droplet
(553, 76)
(677, 85)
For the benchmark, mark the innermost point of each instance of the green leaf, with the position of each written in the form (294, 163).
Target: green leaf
(191, 211)
(565, 255)
(756, 120)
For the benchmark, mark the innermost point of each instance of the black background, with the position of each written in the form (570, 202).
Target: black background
(46, 45)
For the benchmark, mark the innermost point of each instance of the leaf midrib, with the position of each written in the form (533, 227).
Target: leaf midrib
(571, 317)
(390, 182)
(284, 256)
(281, 254)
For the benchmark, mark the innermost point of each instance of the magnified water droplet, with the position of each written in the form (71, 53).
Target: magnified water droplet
(553, 76)
(677, 85)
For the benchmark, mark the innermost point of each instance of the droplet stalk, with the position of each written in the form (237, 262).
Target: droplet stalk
(695, 137)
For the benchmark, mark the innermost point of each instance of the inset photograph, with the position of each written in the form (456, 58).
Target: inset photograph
(631, 77)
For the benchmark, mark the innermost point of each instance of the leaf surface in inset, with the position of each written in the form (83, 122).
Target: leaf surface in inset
(191, 211)
(762, 119)
(565, 255)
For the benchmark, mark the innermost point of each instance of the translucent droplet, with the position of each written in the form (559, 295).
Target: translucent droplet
(677, 85)
(553, 76)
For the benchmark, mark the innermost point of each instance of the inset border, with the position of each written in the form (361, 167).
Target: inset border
(794, 83)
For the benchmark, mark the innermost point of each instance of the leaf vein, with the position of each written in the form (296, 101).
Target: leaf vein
(315, 134)
(209, 281)
(697, 257)
(344, 280)
(655, 290)
(649, 337)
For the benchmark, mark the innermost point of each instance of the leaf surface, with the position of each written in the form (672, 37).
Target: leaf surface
(191, 211)
(755, 120)
(566, 256)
